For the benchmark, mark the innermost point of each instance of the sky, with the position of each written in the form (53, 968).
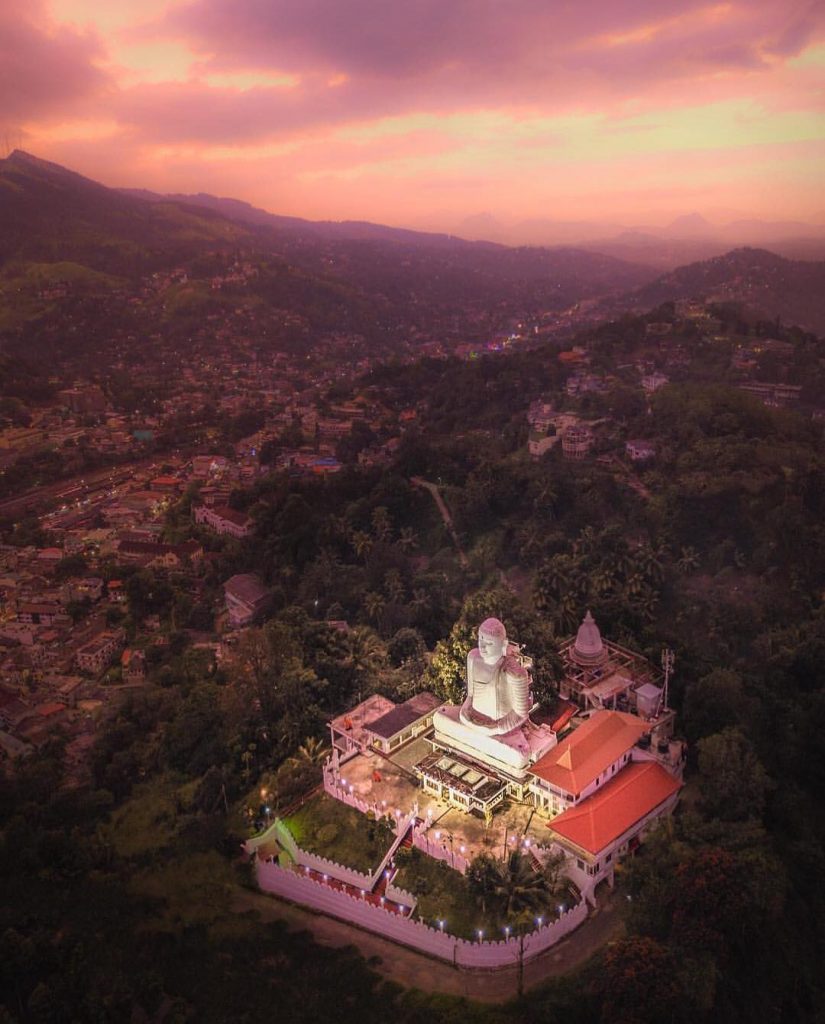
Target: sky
(424, 112)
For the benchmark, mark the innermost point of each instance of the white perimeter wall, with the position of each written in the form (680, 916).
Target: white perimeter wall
(490, 955)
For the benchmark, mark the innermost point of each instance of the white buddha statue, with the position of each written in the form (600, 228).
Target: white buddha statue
(492, 726)
(498, 686)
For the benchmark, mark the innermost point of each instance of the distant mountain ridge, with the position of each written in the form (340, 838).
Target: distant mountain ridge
(685, 239)
(239, 210)
(53, 213)
(50, 214)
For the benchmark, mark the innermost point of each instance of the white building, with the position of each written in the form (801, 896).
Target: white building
(224, 520)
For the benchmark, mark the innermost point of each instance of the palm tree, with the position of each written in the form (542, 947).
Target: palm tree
(602, 581)
(394, 586)
(636, 583)
(381, 523)
(520, 886)
(483, 878)
(650, 561)
(407, 538)
(566, 613)
(420, 600)
(312, 751)
(545, 500)
(374, 605)
(586, 542)
(365, 653)
(361, 543)
(688, 560)
(529, 538)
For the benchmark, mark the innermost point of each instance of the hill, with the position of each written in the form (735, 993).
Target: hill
(382, 282)
(766, 284)
(50, 214)
(392, 259)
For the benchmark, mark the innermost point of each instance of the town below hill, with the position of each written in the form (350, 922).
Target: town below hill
(252, 476)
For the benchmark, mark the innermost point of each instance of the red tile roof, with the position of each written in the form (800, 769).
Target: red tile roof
(601, 819)
(583, 755)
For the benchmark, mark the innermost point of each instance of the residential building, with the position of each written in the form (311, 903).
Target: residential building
(247, 599)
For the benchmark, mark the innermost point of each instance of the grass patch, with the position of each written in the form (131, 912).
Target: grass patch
(443, 894)
(329, 828)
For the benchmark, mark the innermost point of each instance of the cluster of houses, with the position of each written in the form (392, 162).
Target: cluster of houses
(64, 654)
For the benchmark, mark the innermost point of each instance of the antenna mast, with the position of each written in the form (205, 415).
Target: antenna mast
(668, 659)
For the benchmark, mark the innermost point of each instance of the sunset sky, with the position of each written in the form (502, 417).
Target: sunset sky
(422, 112)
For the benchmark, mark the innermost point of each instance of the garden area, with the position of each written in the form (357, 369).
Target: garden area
(328, 828)
(493, 896)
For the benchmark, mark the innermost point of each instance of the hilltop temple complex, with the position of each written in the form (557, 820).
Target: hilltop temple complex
(596, 775)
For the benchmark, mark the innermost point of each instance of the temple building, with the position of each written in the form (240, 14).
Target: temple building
(599, 771)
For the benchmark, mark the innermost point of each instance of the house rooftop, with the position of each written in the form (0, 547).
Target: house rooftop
(583, 755)
(246, 587)
(398, 718)
(605, 816)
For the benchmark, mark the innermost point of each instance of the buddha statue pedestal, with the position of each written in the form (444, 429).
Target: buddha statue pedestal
(511, 753)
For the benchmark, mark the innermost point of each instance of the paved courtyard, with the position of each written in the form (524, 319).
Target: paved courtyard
(389, 784)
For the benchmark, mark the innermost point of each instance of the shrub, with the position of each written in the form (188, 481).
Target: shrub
(327, 833)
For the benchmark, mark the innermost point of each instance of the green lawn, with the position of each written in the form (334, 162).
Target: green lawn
(331, 829)
(442, 894)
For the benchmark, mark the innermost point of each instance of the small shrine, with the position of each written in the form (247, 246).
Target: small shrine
(601, 675)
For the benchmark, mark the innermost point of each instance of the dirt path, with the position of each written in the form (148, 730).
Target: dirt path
(414, 970)
(445, 513)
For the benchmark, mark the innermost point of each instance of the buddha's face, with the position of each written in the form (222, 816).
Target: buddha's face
(490, 647)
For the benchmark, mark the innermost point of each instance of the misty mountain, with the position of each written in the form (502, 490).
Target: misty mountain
(686, 239)
(767, 284)
(371, 279)
(50, 213)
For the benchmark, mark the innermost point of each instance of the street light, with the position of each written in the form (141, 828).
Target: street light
(441, 924)
(480, 934)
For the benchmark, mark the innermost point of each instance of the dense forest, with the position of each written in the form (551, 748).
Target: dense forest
(123, 897)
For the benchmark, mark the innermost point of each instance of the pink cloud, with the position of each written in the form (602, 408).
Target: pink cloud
(358, 60)
(46, 71)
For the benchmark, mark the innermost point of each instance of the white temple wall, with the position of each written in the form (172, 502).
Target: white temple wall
(424, 840)
(475, 955)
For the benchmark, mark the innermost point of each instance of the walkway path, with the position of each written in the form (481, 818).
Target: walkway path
(417, 481)
(414, 970)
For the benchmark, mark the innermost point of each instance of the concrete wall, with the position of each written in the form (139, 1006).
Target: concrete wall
(474, 955)
(424, 840)
(279, 833)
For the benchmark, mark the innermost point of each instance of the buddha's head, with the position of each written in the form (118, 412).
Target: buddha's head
(492, 641)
